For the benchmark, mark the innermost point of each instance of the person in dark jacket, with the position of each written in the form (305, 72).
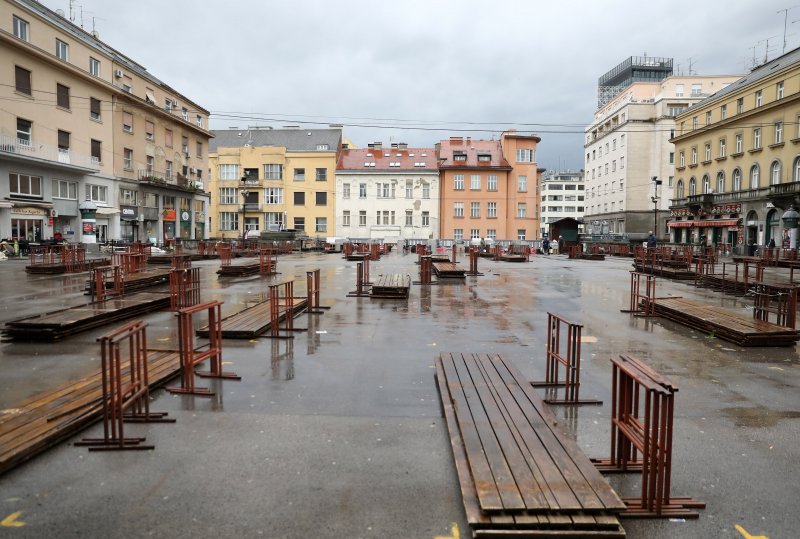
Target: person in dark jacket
(651, 241)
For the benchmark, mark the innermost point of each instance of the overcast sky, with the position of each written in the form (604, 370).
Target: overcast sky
(440, 67)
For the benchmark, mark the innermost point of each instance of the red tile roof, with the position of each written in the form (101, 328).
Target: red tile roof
(472, 149)
(383, 159)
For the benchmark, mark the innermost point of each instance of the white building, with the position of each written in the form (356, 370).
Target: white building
(387, 193)
(563, 195)
(629, 161)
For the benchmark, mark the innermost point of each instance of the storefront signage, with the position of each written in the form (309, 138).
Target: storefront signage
(727, 208)
(169, 215)
(29, 211)
(185, 216)
(128, 213)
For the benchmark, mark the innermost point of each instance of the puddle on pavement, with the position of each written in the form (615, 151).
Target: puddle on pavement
(758, 417)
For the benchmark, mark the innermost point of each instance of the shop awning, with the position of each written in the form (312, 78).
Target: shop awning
(711, 223)
(680, 224)
(107, 211)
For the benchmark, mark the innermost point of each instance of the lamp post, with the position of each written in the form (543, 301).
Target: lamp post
(245, 192)
(790, 218)
(654, 198)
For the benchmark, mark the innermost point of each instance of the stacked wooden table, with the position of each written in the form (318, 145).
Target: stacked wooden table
(520, 475)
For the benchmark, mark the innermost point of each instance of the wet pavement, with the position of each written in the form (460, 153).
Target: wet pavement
(339, 432)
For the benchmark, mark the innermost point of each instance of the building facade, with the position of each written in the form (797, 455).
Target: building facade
(94, 147)
(563, 195)
(273, 179)
(389, 193)
(738, 160)
(489, 188)
(629, 159)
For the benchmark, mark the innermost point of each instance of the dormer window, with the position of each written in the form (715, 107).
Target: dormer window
(484, 157)
(459, 156)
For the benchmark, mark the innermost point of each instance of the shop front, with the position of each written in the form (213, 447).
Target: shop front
(27, 223)
(129, 224)
(168, 233)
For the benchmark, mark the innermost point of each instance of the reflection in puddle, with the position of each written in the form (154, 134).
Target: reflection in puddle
(758, 416)
(282, 359)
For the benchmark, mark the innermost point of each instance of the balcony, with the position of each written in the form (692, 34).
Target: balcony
(784, 195)
(29, 151)
(151, 176)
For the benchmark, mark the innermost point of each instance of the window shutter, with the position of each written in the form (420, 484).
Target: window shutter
(63, 140)
(23, 80)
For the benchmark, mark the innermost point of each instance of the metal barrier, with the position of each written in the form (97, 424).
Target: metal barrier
(643, 298)
(129, 262)
(74, 258)
(101, 277)
(191, 357)
(780, 301)
(642, 409)
(282, 307)
(312, 290)
(563, 348)
(126, 389)
(225, 254)
(267, 261)
(361, 280)
(473, 262)
(184, 288)
(425, 271)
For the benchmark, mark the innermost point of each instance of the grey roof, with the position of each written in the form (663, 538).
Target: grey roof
(295, 139)
(761, 72)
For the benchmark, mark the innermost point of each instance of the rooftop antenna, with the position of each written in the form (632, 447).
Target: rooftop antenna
(785, 20)
(691, 63)
(71, 11)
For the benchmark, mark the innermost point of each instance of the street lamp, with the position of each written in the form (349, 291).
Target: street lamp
(245, 192)
(790, 218)
(654, 198)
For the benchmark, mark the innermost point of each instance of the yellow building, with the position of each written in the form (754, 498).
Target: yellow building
(737, 160)
(92, 146)
(273, 179)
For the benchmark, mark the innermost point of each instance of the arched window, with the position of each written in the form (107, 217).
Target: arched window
(706, 184)
(692, 186)
(796, 176)
(775, 173)
(754, 177)
(737, 179)
(720, 182)
(680, 188)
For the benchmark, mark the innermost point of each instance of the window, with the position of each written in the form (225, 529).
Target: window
(20, 28)
(740, 105)
(458, 209)
(227, 195)
(697, 89)
(621, 140)
(720, 182)
(796, 177)
(474, 209)
(706, 184)
(345, 190)
(694, 122)
(25, 185)
(168, 171)
(778, 132)
(754, 177)
(199, 121)
(24, 132)
(520, 233)
(126, 84)
(722, 147)
(62, 50)
(300, 198)
(149, 130)
(62, 96)
(738, 143)
(694, 156)
(475, 181)
(22, 80)
(149, 165)
(273, 195)
(299, 174)
(484, 158)
(63, 145)
(426, 218)
(458, 234)
(426, 190)
(708, 118)
(273, 172)
(475, 233)
(94, 66)
(522, 184)
(679, 90)
(491, 182)
(779, 90)
(322, 174)
(94, 108)
(671, 159)
(127, 159)
(759, 98)
(97, 151)
(66, 190)
(321, 224)
(168, 138)
(692, 187)
(708, 152)
(491, 209)
(458, 182)
(522, 209)
(362, 190)
(229, 172)
(459, 156)
(409, 189)
(525, 155)
(681, 159)
(362, 218)
(775, 173)
(321, 198)
(185, 113)
(723, 112)
(198, 146)
(737, 180)
(97, 193)
(756, 138)
(323, 147)
(127, 122)
(409, 218)
(680, 189)
(228, 220)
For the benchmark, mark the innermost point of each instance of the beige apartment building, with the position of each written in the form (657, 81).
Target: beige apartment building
(737, 164)
(92, 146)
(273, 179)
(489, 188)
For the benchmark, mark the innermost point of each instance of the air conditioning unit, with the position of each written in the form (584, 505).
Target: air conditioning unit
(118, 73)
(198, 185)
(192, 170)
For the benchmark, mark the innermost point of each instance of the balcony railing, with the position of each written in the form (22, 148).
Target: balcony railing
(151, 176)
(54, 154)
(721, 198)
